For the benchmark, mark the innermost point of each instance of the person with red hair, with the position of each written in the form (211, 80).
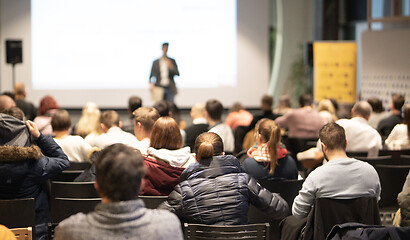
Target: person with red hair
(46, 110)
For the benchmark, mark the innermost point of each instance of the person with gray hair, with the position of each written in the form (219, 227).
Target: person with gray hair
(361, 137)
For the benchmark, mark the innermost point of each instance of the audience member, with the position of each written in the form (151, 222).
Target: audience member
(89, 126)
(166, 158)
(303, 122)
(378, 112)
(269, 160)
(399, 137)
(340, 178)
(10, 94)
(199, 125)
(403, 199)
(213, 115)
(266, 107)
(238, 116)
(197, 200)
(76, 148)
(15, 112)
(20, 98)
(111, 126)
(120, 215)
(386, 125)
(25, 168)
(284, 105)
(327, 110)
(134, 103)
(47, 108)
(162, 108)
(144, 119)
(6, 102)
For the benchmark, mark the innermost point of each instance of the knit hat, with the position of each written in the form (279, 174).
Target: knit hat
(13, 132)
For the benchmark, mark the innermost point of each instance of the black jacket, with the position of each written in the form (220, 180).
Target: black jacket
(217, 192)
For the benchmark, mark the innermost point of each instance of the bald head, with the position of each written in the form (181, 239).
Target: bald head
(362, 109)
(6, 102)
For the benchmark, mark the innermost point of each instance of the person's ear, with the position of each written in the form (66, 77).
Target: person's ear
(97, 188)
(120, 124)
(324, 148)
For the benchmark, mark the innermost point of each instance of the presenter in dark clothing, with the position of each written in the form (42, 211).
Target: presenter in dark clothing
(162, 74)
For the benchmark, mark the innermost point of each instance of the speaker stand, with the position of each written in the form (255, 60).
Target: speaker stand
(13, 74)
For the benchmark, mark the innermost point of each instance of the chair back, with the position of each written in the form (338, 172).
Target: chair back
(67, 175)
(392, 178)
(65, 207)
(18, 213)
(378, 160)
(287, 189)
(202, 231)
(73, 190)
(405, 159)
(78, 166)
(23, 233)
(328, 212)
(152, 202)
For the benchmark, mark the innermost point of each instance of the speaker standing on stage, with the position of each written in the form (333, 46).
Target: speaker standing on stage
(162, 75)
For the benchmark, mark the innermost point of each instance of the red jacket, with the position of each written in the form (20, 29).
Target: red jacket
(161, 178)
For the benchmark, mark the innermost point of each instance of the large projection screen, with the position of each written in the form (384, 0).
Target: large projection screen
(102, 51)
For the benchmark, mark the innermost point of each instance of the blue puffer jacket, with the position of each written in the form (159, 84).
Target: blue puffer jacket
(217, 192)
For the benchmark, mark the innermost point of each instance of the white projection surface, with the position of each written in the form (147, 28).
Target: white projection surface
(106, 44)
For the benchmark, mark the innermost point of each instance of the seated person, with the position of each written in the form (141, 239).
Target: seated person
(144, 119)
(269, 160)
(399, 137)
(24, 168)
(166, 158)
(48, 106)
(76, 148)
(120, 215)
(216, 191)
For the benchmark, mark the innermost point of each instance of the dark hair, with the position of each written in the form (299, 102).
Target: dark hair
(110, 118)
(119, 170)
(166, 134)
(175, 112)
(207, 145)
(398, 101)
(15, 112)
(146, 116)
(305, 100)
(47, 103)
(267, 101)
(335, 104)
(165, 44)
(214, 109)
(406, 119)
(236, 107)
(162, 108)
(61, 120)
(376, 103)
(333, 136)
(270, 133)
(134, 103)
(10, 94)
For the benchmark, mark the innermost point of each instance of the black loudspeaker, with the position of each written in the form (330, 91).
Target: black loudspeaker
(14, 51)
(308, 54)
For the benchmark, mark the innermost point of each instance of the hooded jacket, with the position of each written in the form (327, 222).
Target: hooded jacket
(216, 191)
(24, 169)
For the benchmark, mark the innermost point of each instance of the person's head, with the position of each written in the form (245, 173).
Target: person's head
(47, 103)
(20, 90)
(214, 109)
(119, 172)
(89, 121)
(376, 103)
(10, 94)
(397, 101)
(6, 102)
(406, 119)
(207, 145)
(162, 108)
(166, 134)
(15, 112)
(362, 109)
(236, 107)
(267, 131)
(332, 137)
(267, 103)
(109, 119)
(174, 111)
(305, 100)
(61, 120)
(134, 103)
(198, 111)
(144, 120)
(326, 105)
(165, 48)
(284, 102)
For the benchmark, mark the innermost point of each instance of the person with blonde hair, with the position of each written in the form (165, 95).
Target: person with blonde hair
(269, 160)
(89, 126)
(215, 190)
(327, 110)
